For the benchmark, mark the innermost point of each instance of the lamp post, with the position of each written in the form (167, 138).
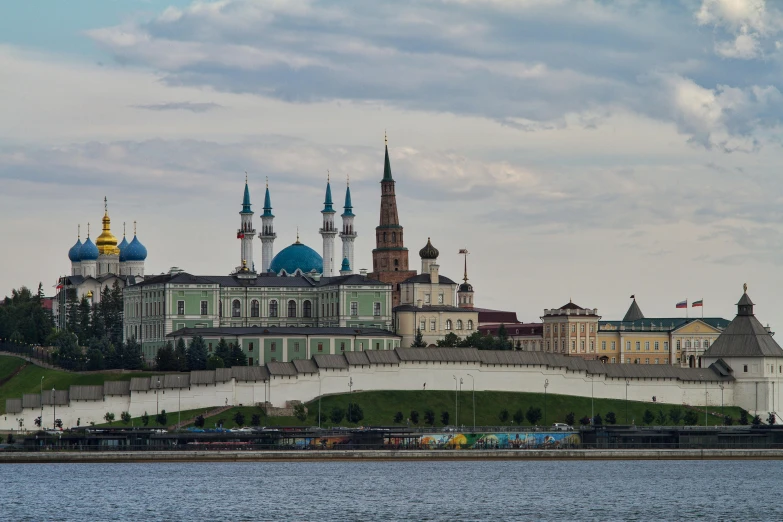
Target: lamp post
(705, 404)
(179, 402)
(456, 401)
(157, 397)
(54, 410)
(721, 403)
(42, 403)
(350, 393)
(592, 402)
(319, 400)
(546, 385)
(460, 385)
(627, 384)
(473, 382)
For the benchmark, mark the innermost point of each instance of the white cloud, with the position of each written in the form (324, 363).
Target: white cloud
(748, 23)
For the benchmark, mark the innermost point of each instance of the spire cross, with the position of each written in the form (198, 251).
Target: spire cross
(385, 138)
(123, 229)
(465, 253)
(745, 287)
(245, 177)
(134, 227)
(105, 204)
(88, 230)
(297, 233)
(79, 231)
(328, 176)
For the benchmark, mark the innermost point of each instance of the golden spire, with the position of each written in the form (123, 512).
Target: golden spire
(79, 232)
(106, 242)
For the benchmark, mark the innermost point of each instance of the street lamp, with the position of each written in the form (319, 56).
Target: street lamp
(54, 411)
(179, 403)
(157, 397)
(460, 385)
(473, 382)
(627, 384)
(721, 403)
(456, 401)
(592, 402)
(705, 404)
(319, 400)
(42, 402)
(546, 385)
(350, 393)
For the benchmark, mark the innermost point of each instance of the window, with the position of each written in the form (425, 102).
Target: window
(320, 347)
(236, 308)
(307, 309)
(342, 347)
(573, 346)
(255, 308)
(688, 343)
(209, 349)
(273, 347)
(470, 324)
(666, 346)
(459, 324)
(332, 308)
(250, 361)
(273, 359)
(376, 309)
(706, 343)
(592, 328)
(655, 361)
(291, 308)
(638, 346)
(432, 325)
(422, 325)
(614, 360)
(573, 328)
(592, 346)
(647, 361)
(745, 368)
(678, 344)
(547, 328)
(646, 346)
(426, 298)
(557, 345)
(377, 346)
(354, 308)
(627, 346)
(394, 237)
(657, 346)
(250, 347)
(614, 345)
(448, 324)
(555, 329)
(204, 308)
(582, 328)
(440, 298)
(547, 346)
(220, 308)
(603, 346)
(296, 347)
(180, 307)
(273, 308)
(582, 345)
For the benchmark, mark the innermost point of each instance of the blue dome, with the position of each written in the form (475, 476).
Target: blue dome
(73, 253)
(346, 265)
(88, 251)
(122, 245)
(135, 251)
(297, 256)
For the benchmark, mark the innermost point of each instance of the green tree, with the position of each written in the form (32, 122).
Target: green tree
(611, 418)
(398, 417)
(429, 417)
(648, 417)
(597, 420)
(450, 340)
(300, 412)
(239, 419)
(215, 362)
(414, 417)
(197, 354)
(569, 418)
(771, 418)
(337, 415)
(132, 358)
(355, 413)
(728, 420)
(224, 352)
(67, 353)
(503, 342)
(519, 416)
(444, 417)
(238, 357)
(125, 417)
(691, 418)
(743, 420)
(145, 419)
(109, 417)
(165, 360)
(95, 360)
(503, 415)
(533, 415)
(675, 414)
(180, 356)
(418, 340)
(162, 418)
(756, 420)
(199, 422)
(661, 418)
(255, 420)
(474, 340)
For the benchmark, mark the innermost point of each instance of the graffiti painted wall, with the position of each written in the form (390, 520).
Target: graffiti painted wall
(538, 440)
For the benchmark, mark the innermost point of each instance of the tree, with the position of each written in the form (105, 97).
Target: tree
(418, 340)
(255, 420)
(771, 419)
(109, 417)
(611, 418)
(597, 420)
(648, 417)
(145, 419)
(161, 418)
(675, 414)
(533, 415)
(398, 417)
(197, 354)
(224, 352)
(569, 418)
(215, 362)
(337, 415)
(300, 412)
(355, 413)
(503, 416)
(38, 421)
(756, 420)
(444, 417)
(238, 357)
(661, 418)
(132, 357)
(691, 418)
(519, 416)
(449, 341)
(728, 420)
(180, 356)
(165, 359)
(743, 420)
(429, 417)
(199, 422)
(95, 360)
(414, 417)
(239, 419)
(125, 417)
(584, 421)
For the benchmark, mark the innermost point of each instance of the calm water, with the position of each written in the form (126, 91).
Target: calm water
(370, 491)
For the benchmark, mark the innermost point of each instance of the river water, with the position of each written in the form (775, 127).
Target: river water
(380, 491)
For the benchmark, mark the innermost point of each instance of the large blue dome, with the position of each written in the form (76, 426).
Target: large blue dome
(122, 245)
(88, 251)
(297, 256)
(135, 251)
(73, 253)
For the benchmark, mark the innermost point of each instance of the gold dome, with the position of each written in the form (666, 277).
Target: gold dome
(106, 242)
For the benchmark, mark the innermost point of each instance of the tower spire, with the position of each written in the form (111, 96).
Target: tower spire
(328, 231)
(79, 231)
(347, 234)
(387, 174)
(246, 233)
(267, 235)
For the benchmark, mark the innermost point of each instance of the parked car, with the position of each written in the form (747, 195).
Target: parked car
(559, 426)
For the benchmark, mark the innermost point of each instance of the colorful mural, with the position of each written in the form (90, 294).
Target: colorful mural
(533, 440)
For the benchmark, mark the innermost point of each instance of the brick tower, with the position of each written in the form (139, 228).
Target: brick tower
(390, 257)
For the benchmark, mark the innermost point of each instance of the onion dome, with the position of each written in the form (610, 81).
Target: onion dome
(88, 251)
(465, 287)
(346, 265)
(73, 253)
(135, 251)
(123, 245)
(106, 242)
(429, 251)
(297, 257)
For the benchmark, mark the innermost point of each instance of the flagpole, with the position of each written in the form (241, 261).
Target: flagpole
(686, 308)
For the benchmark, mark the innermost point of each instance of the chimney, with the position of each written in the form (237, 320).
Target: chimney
(418, 303)
(434, 279)
(363, 272)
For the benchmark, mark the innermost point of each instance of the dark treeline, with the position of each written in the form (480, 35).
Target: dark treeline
(23, 319)
(474, 340)
(194, 356)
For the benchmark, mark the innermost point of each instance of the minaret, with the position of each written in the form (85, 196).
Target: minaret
(348, 233)
(465, 290)
(389, 257)
(328, 232)
(246, 233)
(267, 234)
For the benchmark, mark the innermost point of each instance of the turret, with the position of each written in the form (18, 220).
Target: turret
(73, 253)
(328, 232)
(246, 233)
(109, 258)
(88, 256)
(133, 256)
(348, 234)
(465, 290)
(267, 234)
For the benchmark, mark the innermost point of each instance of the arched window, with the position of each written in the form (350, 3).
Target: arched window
(394, 237)
(307, 309)
(220, 308)
(255, 309)
(706, 343)
(236, 308)
(273, 308)
(688, 343)
(470, 324)
(384, 237)
(291, 308)
(448, 324)
(459, 324)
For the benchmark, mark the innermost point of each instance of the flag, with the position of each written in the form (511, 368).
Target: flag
(700, 302)
(633, 297)
(240, 235)
(463, 250)
(682, 304)
(59, 286)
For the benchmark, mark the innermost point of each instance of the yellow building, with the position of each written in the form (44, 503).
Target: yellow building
(571, 330)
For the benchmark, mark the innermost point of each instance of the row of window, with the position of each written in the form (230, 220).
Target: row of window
(563, 328)
(449, 324)
(255, 308)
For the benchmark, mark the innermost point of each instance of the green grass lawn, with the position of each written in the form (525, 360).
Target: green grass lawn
(170, 420)
(379, 408)
(8, 365)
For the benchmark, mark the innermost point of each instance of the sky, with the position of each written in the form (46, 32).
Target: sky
(580, 150)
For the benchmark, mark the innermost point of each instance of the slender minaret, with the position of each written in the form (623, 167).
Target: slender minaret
(267, 234)
(328, 232)
(348, 233)
(246, 233)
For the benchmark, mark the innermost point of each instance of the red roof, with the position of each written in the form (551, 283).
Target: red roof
(514, 329)
(487, 316)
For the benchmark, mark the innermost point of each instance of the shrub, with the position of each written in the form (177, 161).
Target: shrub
(199, 422)
(519, 416)
(355, 413)
(661, 418)
(444, 417)
(239, 419)
(611, 418)
(161, 418)
(503, 416)
(756, 420)
(691, 418)
(675, 414)
(109, 417)
(398, 417)
(771, 419)
(255, 420)
(743, 420)
(728, 420)
(125, 417)
(429, 417)
(38, 421)
(569, 418)
(597, 420)
(300, 412)
(533, 415)
(584, 421)
(414, 417)
(648, 417)
(145, 419)
(337, 415)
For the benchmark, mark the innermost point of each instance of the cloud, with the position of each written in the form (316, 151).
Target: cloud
(180, 106)
(743, 27)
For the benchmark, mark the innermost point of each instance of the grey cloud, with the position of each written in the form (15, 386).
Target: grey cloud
(180, 106)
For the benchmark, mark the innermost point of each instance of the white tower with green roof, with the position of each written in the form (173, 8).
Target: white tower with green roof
(348, 234)
(328, 232)
(246, 233)
(267, 234)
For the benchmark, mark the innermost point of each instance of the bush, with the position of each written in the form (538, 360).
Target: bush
(756, 420)
(519, 416)
(661, 418)
(444, 417)
(414, 417)
(58, 423)
(743, 420)
(199, 422)
(300, 412)
(145, 419)
(584, 421)
(569, 418)
(11, 438)
(675, 414)
(161, 418)
(398, 417)
(503, 416)
(255, 420)
(611, 418)
(728, 420)
(38, 422)
(337, 415)
(109, 417)
(533, 415)
(771, 419)
(215, 362)
(239, 419)
(597, 420)
(125, 417)
(355, 413)
(648, 417)
(691, 418)
(429, 417)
